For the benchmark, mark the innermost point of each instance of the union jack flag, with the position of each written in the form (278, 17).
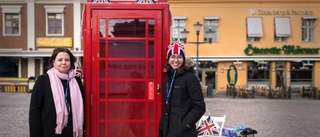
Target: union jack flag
(208, 127)
(145, 1)
(79, 71)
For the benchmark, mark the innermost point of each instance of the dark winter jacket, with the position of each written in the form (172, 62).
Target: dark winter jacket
(186, 105)
(42, 113)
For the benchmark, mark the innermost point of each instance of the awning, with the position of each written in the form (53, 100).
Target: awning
(282, 25)
(254, 26)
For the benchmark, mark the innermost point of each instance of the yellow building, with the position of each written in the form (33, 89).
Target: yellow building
(272, 43)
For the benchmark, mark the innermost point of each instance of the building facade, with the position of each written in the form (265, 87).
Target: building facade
(31, 29)
(272, 43)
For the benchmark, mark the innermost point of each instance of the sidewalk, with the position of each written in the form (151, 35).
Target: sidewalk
(297, 117)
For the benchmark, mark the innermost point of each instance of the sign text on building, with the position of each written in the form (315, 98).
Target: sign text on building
(286, 49)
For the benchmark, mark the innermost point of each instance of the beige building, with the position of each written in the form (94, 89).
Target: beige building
(272, 43)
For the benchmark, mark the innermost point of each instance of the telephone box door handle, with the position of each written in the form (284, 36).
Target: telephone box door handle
(158, 89)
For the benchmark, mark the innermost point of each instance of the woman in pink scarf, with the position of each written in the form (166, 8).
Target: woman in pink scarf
(57, 105)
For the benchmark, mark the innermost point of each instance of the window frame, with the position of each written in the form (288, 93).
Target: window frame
(55, 10)
(309, 29)
(214, 25)
(14, 9)
(177, 28)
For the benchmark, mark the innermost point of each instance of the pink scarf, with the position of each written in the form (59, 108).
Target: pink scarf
(60, 105)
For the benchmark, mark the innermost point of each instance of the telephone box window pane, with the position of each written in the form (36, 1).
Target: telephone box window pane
(102, 32)
(126, 49)
(124, 69)
(126, 130)
(151, 28)
(127, 111)
(127, 28)
(151, 49)
(102, 90)
(102, 69)
(151, 110)
(151, 69)
(151, 130)
(127, 90)
(102, 110)
(102, 52)
(102, 131)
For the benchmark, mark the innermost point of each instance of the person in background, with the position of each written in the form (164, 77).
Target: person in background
(183, 102)
(57, 100)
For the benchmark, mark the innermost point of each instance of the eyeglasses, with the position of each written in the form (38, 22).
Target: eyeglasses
(173, 57)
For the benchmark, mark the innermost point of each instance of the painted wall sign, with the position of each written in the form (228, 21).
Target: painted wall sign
(280, 12)
(232, 75)
(52, 42)
(286, 49)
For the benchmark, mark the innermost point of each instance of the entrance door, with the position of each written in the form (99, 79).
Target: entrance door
(124, 74)
(209, 79)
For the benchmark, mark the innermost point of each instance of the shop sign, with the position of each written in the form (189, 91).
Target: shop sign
(280, 12)
(53, 42)
(286, 49)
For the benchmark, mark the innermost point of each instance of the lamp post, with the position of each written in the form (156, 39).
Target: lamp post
(197, 28)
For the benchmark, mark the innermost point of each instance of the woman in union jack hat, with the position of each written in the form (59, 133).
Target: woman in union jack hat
(183, 102)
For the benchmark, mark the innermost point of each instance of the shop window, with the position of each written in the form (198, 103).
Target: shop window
(282, 29)
(54, 20)
(211, 23)
(11, 20)
(179, 24)
(301, 71)
(308, 29)
(9, 66)
(254, 29)
(258, 73)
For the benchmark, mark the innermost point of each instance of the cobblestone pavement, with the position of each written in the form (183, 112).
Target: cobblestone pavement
(298, 117)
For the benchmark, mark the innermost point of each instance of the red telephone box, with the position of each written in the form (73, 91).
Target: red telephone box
(124, 53)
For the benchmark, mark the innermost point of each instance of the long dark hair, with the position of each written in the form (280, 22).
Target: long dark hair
(56, 52)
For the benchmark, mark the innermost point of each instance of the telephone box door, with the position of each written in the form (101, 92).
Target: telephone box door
(126, 52)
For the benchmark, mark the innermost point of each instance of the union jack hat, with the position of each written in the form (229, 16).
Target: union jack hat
(176, 48)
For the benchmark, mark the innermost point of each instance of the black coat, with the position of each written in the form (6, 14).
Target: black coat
(42, 113)
(186, 106)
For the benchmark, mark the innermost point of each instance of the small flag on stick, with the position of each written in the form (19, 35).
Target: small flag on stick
(208, 127)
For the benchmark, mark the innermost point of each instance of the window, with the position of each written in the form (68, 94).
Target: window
(211, 23)
(282, 29)
(258, 73)
(11, 20)
(254, 29)
(308, 29)
(54, 20)
(179, 24)
(11, 66)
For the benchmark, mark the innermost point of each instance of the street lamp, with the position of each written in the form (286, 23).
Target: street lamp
(197, 28)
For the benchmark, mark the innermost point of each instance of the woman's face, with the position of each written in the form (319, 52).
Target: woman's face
(62, 62)
(175, 61)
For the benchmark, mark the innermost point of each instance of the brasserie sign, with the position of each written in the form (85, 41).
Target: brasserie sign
(286, 49)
